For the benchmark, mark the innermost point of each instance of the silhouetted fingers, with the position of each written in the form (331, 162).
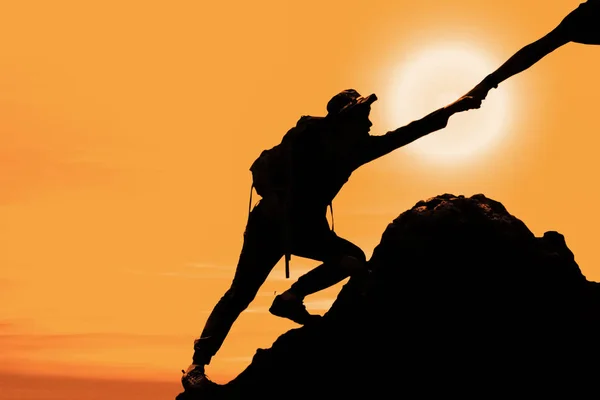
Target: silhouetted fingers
(477, 93)
(474, 102)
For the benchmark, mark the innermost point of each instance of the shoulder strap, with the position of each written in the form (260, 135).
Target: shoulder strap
(332, 222)
(250, 202)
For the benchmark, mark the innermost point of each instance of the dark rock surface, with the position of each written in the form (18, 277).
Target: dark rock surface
(463, 299)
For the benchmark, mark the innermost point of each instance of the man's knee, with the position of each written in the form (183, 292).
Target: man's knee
(354, 264)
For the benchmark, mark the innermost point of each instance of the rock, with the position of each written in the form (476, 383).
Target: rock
(463, 299)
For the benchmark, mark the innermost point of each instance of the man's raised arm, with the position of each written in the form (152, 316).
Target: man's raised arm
(377, 146)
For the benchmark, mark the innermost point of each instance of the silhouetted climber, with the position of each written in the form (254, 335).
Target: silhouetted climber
(297, 181)
(581, 26)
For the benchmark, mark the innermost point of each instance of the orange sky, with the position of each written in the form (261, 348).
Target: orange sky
(127, 130)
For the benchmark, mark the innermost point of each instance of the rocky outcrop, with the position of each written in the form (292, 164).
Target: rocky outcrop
(462, 299)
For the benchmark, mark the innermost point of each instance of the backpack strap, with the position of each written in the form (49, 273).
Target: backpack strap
(332, 222)
(250, 202)
(287, 245)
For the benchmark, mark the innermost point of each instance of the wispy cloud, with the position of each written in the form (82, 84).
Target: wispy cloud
(197, 270)
(14, 326)
(29, 171)
(191, 271)
(257, 310)
(17, 385)
(311, 305)
(267, 294)
(6, 326)
(321, 304)
(210, 266)
(295, 273)
(238, 359)
(37, 341)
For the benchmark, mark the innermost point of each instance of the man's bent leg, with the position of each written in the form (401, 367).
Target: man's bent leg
(260, 253)
(341, 259)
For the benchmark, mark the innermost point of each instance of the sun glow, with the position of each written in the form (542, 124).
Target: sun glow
(436, 77)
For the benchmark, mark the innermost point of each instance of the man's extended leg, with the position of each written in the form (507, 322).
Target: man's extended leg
(260, 253)
(341, 259)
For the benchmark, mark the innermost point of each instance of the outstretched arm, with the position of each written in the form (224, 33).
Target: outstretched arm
(529, 55)
(378, 146)
(520, 61)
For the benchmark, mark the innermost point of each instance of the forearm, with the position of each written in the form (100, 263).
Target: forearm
(379, 146)
(526, 57)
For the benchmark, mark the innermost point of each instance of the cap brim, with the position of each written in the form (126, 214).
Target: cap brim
(360, 102)
(368, 100)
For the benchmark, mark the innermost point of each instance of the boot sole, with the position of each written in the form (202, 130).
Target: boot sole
(276, 311)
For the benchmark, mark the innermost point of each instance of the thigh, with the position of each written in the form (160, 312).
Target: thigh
(261, 250)
(326, 246)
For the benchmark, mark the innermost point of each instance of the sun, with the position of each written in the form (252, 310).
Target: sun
(436, 77)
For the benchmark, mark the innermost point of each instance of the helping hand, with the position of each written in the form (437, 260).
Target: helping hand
(463, 104)
(481, 90)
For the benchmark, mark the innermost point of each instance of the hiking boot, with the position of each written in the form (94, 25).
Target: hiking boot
(293, 309)
(195, 379)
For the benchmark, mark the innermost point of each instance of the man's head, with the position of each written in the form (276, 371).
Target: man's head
(351, 111)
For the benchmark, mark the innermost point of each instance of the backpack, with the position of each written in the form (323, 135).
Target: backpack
(272, 171)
